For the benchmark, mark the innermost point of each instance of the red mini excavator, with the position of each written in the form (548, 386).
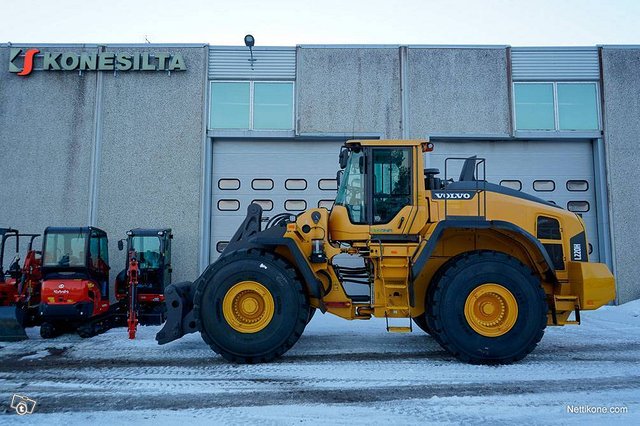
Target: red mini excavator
(75, 286)
(147, 273)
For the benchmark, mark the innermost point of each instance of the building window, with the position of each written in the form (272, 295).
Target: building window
(534, 106)
(556, 106)
(544, 185)
(230, 105)
(248, 105)
(295, 184)
(273, 106)
(577, 106)
(513, 184)
(262, 184)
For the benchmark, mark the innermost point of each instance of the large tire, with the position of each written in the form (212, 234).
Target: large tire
(454, 291)
(312, 312)
(282, 330)
(421, 321)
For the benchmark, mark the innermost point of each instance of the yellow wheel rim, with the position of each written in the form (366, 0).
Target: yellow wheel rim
(248, 307)
(491, 310)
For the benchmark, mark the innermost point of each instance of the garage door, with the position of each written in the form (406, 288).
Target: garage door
(283, 176)
(558, 171)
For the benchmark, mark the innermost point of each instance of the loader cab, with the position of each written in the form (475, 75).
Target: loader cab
(76, 253)
(378, 195)
(152, 249)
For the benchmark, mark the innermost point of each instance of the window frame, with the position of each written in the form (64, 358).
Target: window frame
(251, 105)
(556, 114)
(370, 182)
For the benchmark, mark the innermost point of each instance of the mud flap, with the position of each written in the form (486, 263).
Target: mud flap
(10, 328)
(180, 319)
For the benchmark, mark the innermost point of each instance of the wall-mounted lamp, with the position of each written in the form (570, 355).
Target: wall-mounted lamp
(249, 41)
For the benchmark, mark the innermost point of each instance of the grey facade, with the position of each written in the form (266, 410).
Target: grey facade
(128, 149)
(622, 128)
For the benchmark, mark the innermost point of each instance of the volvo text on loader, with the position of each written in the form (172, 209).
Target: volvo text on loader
(482, 268)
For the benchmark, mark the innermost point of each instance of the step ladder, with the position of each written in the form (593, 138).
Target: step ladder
(393, 271)
(564, 304)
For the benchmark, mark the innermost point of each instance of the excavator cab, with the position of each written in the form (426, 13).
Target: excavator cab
(10, 272)
(152, 251)
(77, 254)
(19, 286)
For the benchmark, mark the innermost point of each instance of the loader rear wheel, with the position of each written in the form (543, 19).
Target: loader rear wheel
(488, 308)
(251, 307)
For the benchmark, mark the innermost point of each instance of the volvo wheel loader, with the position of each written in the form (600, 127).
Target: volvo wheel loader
(480, 267)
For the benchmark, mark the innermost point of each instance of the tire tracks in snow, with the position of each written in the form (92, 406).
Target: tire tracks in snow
(78, 400)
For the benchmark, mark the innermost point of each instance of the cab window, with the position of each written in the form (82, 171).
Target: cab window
(391, 182)
(351, 193)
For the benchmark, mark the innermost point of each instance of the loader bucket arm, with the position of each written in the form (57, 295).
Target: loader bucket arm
(180, 320)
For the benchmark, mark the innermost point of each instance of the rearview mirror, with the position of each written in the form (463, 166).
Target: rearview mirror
(339, 176)
(344, 157)
(120, 245)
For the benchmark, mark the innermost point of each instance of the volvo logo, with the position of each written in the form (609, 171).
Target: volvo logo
(453, 195)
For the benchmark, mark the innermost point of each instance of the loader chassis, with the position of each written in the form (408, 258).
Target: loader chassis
(434, 251)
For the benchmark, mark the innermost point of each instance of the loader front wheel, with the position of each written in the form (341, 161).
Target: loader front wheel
(421, 321)
(251, 307)
(488, 308)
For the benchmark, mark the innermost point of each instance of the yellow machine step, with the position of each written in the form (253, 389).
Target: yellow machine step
(566, 304)
(399, 329)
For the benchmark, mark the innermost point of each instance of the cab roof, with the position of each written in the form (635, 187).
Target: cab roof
(387, 142)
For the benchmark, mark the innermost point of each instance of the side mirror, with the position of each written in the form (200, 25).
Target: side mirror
(339, 176)
(344, 157)
(120, 245)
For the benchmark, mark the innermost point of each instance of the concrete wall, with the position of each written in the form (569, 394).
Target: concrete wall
(350, 90)
(622, 129)
(151, 156)
(457, 91)
(150, 169)
(46, 136)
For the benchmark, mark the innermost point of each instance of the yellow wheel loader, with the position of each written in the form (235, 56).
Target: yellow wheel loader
(480, 267)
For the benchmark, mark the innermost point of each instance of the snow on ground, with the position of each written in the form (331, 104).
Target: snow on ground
(339, 372)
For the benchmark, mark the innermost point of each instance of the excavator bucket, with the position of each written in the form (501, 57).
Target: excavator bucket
(10, 328)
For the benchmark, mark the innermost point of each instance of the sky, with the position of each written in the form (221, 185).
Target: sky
(288, 22)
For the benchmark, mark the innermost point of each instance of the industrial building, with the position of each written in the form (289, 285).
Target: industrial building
(187, 136)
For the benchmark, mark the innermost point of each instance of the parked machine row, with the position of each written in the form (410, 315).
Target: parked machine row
(65, 287)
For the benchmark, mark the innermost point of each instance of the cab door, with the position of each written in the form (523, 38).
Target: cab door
(391, 192)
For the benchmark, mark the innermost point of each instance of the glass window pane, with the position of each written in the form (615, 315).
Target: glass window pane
(273, 106)
(534, 106)
(577, 106)
(392, 183)
(229, 105)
